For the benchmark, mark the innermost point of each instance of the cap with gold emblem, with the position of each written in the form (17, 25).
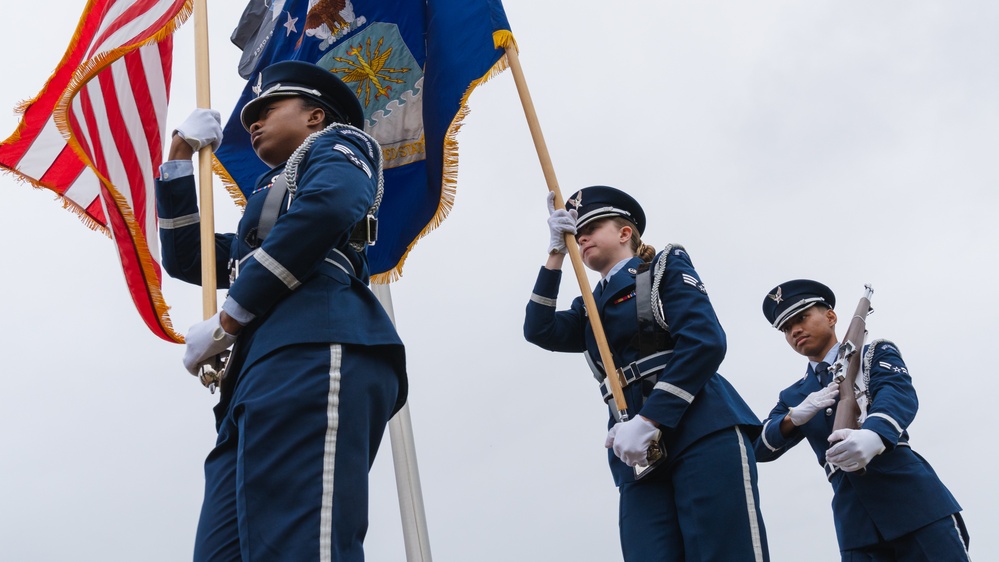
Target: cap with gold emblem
(790, 298)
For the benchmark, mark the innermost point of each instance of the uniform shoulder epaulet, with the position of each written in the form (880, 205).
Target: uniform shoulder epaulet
(869, 351)
(871, 348)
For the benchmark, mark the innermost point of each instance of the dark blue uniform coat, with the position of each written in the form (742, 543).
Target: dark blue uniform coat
(702, 503)
(315, 375)
(899, 492)
(691, 399)
(297, 294)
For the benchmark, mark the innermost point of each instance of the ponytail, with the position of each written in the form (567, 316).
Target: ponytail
(640, 249)
(644, 251)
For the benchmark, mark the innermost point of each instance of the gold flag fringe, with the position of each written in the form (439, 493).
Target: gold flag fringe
(502, 39)
(72, 207)
(230, 184)
(83, 74)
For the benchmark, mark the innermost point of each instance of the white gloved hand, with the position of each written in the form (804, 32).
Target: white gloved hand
(818, 400)
(201, 128)
(855, 448)
(560, 223)
(205, 340)
(632, 439)
(609, 441)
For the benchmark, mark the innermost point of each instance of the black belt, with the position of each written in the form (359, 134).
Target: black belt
(635, 371)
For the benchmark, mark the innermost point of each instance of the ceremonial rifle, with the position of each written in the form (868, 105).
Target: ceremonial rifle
(847, 366)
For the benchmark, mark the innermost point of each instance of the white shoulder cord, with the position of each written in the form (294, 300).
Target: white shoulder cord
(291, 167)
(657, 305)
(864, 392)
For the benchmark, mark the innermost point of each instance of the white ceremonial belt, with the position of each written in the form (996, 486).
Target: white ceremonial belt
(339, 260)
(645, 367)
(234, 266)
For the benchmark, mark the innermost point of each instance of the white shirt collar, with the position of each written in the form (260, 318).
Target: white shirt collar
(617, 267)
(829, 358)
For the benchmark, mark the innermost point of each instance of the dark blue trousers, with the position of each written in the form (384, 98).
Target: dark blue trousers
(288, 477)
(706, 507)
(945, 540)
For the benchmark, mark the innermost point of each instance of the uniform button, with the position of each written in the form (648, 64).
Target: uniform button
(828, 411)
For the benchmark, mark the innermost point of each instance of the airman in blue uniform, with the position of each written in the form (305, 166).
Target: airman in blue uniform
(317, 369)
(702, 502)
(896, 508)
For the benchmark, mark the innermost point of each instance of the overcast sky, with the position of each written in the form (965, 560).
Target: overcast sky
(851, 142)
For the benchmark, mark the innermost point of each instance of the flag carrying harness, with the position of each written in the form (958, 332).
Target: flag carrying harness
(653, 338)
(363, 234)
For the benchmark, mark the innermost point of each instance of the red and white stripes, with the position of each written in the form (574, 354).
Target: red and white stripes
(94, 134)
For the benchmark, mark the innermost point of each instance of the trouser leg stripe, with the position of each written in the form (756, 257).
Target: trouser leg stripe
(960, 536)
(329, 455)
(747, 478)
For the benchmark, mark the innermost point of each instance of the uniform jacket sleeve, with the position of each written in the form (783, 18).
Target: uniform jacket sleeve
(337, 181)
(699, 341)
(771, 444)
(550, 329)
(180, 233)
(893, 402)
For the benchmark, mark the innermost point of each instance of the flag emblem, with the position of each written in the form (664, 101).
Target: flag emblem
(388, 81)
(330, 20)
(413, 66)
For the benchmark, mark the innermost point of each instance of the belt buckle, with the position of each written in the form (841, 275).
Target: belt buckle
(629, 374)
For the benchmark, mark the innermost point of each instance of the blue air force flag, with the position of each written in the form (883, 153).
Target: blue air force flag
(412, 65)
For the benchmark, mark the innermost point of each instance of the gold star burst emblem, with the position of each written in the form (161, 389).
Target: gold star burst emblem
(368, 71)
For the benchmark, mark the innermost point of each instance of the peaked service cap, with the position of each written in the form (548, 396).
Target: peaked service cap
(790, 298)
(299, 78)
(601, 201)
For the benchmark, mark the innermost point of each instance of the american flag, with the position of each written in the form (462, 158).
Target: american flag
(94, 134)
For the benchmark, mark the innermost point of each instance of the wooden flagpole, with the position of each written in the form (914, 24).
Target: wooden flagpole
(613, 382)
(204, 100)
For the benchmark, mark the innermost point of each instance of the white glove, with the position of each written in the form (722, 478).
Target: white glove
(609, 441)
(201, 128)
(818, 400)
(631, 440)
(560, 223)
(855, 448)
(205, 340)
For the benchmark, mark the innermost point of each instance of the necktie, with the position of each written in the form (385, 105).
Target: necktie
(822, 372)
(601, 286)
